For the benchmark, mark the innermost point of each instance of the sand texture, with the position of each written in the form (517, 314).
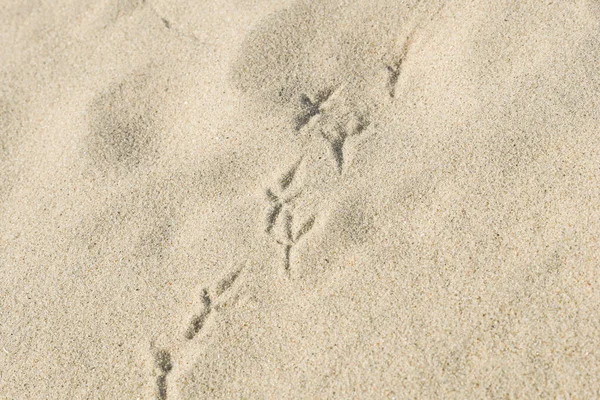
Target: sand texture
(299, 199)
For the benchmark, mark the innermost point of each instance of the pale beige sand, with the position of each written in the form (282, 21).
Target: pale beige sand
(299, 199)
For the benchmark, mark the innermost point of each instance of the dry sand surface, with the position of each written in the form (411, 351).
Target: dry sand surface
(299, 199)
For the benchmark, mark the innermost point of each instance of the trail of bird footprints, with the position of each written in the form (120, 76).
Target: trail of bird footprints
(212, 300)
(335, 121)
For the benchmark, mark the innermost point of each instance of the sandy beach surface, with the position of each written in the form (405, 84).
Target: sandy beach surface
(294, 199)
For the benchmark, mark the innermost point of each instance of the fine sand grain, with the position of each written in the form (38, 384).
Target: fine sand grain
(299, 199)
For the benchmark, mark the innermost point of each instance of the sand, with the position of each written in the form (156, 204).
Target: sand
(299, 199)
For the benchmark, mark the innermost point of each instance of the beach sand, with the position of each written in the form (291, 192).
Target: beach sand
(299, 199)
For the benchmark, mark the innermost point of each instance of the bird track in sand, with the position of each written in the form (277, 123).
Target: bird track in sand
(170, 365)
(336, 120)
(280, 219)
(281, 224)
